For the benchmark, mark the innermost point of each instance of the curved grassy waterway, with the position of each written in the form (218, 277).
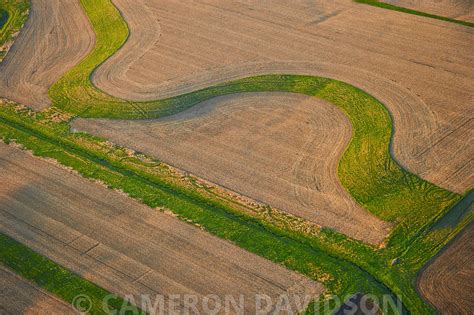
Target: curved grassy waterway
(366, 169)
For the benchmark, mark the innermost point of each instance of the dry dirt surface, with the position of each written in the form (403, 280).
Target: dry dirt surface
(55, 37)
(447, 282)
(19, 296)
(421, 68)
(458, 9)
(126, 247)
(281, 149)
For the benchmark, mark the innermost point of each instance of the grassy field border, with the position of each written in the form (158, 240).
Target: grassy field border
(388, 6)
(343, 265)
(375, 181)
(339, 257)
(292, 250)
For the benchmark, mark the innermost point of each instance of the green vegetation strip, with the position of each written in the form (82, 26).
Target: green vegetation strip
(343, 265)
(75, 93)
(56, 279)
(366, 169)
(292, 250)
(377, 3)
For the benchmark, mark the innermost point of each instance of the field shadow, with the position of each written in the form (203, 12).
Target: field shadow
(457, 213)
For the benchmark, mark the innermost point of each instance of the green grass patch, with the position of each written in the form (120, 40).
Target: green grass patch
(54, 278)
(388, 6)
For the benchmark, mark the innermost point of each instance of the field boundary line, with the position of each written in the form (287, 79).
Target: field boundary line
(388, 6)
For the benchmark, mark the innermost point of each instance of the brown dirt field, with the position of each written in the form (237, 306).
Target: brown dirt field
(55, 37)
(19, 296)
(421, 68)
(447, 282)
(124, 246)
(281, 149)
(458, 9)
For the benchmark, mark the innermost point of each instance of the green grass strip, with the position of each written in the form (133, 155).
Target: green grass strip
(389, 6)
(343, 265)
(75, 93)
(366, 169)
(289, 249)
(55, 279)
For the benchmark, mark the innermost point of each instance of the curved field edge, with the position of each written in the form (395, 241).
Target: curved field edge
(290, 249)
(383, 5)
(376, 181)
(13, 15)
(75, 93)
(366, 169)
(343, 265)
(54, 278)
(467, 206)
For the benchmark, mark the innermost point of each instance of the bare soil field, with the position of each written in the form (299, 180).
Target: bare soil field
(422, 69)
(55, 37)
(458, 9)
(447, 282)
(19, 296)
(281, 149)
(126, 247)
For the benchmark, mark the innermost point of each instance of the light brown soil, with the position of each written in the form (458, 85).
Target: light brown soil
(281, 149)
(55, 37)
(459, 9)
(126, 247)
(19, 296)
(447, 282)
(421, 68)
